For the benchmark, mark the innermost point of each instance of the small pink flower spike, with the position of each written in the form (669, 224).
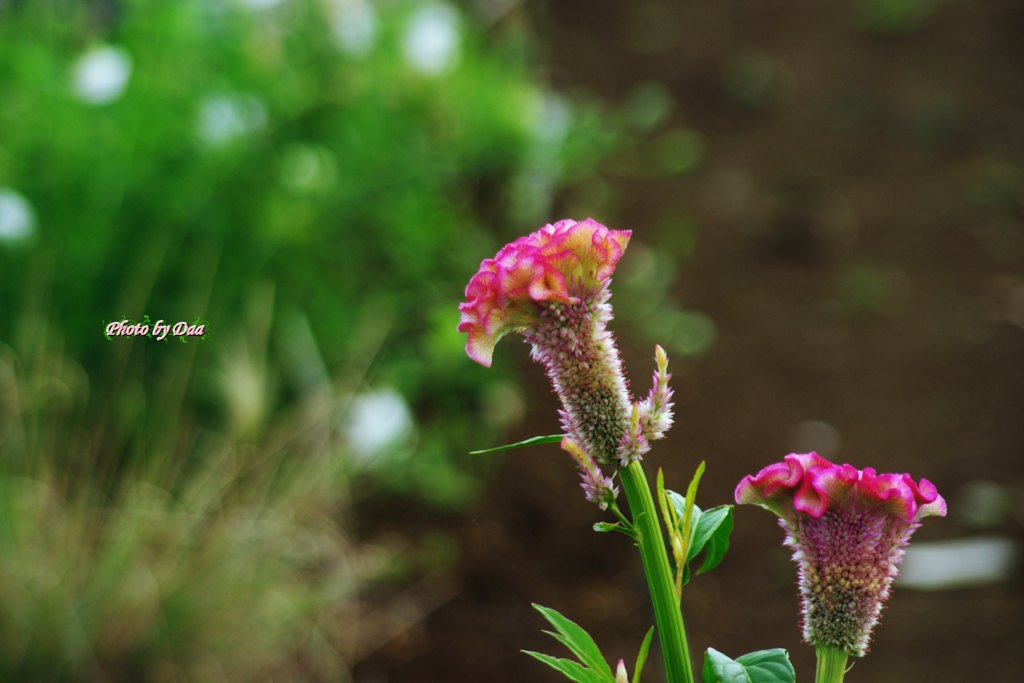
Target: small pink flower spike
(847, 528)
(597, 488)
(656, 409)
(621, 675)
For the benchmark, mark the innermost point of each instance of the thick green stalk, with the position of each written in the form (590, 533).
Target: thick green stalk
(667, 615)
(831, 664)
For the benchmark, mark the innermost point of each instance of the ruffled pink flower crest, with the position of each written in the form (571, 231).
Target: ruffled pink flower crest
(809, 484)
(554, 264)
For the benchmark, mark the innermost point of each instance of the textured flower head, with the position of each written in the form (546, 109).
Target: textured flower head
(557, 263)
(554, 286)
(847, 528)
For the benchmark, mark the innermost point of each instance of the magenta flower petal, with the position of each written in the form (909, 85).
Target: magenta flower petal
(891, 490)
(757, 489)
(509, 291)
(847, 528)
(807, 460)
(810, 498)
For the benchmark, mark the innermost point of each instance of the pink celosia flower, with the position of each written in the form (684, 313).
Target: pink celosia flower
(847, 528)
(553, 287)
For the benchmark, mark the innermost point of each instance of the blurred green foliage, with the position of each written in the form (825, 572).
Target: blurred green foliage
(892, 17)
(315, 179)
(355, 158)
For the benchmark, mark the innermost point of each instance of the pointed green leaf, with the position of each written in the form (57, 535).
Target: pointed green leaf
(691, 490)
(641, 656)
(577, 640)
(666, 509)
(572, 647)
(689, 523)
(535, 441)
(574, 671)
(768, 666)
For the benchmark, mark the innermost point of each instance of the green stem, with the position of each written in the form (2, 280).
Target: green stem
(667, 613)
(831, 664)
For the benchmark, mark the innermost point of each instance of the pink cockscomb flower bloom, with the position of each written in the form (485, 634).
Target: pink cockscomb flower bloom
(553, 287)
(847, 528)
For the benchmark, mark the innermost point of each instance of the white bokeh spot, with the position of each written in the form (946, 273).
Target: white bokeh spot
(431, 42)
(354, 26)
(223, 118)
(101, 74)
(377, 421)
(17, 218)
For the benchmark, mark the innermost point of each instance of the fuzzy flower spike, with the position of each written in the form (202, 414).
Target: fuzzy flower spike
(847, 528)
(553, 287)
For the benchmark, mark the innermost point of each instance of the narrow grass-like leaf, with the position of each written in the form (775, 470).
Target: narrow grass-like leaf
(577, 640)
(667, 511)
(574, 671)
(534, 441)
(691, 497)
(675, 535)
(641, 656)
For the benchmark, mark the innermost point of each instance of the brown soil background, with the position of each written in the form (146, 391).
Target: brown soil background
(900, 154)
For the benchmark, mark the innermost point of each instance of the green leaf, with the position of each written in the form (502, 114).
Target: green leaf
(719, 668)
(641, 656)
(689, 523)
(712, 535)
(712, 528)
(574, 671)
(769, 666)
(666, 509)
(535, 441)
(763, 666)
(677, 544)
(577, 640)
(679, 503)
(606, 527)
